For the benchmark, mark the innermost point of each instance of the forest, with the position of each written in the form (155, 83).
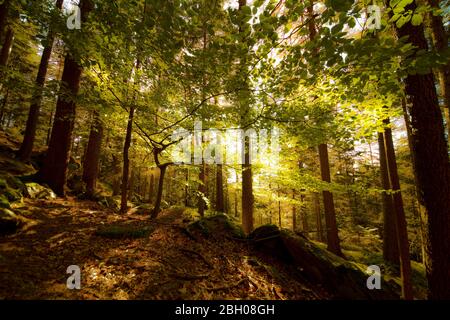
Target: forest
(224, 149)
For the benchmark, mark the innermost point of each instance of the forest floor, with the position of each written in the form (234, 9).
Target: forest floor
(166, 263)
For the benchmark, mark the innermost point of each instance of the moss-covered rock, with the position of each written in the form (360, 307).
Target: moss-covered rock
(217, 225)
(9, 221)
(15, 183)
(12, 195)
(144, 209)
(343, 279)
(112, 202)
(37, 191)
(4, 202)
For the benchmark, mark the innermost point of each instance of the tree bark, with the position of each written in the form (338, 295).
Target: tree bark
(333, 243)
(92, 155)
(440, 41)
(247, 175)
(126, 163)
(390, 242)
(157, 206)
(432, 166)
(400, 219)
(26, 148)
(54, 170)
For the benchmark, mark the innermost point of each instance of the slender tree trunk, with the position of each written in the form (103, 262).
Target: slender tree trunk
(126, 163)
(419, 206)
(316, 202)
(400, 219)
(390, 242)
(247, 189)
(432, 165)
(26, 148)
(247, 176)
(333, 243)
(157, 206)
(220, 207)
(92, 155)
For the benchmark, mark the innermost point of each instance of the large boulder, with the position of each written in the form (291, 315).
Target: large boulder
(9, 221)
(37, 191)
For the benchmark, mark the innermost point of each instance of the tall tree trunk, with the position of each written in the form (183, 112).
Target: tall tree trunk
(432, 165)
(220, 207)
(126, 163)
(416, 192)
(333, 243)
(247, 189)
(4, 9)
(316, 203)
(54, 170)
(247, 176)
(440, 41)
(26, 148)
(6, 48)
(390, 242)
(92, 155)
(400, 219)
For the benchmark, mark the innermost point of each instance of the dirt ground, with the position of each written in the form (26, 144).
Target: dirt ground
(167, 263)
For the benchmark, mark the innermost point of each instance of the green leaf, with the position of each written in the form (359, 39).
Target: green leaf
(416, 19)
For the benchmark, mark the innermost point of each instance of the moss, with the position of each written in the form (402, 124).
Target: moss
(217, 225)
(4, 202)
(12, 195)
(37, 191)
(15, 183)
